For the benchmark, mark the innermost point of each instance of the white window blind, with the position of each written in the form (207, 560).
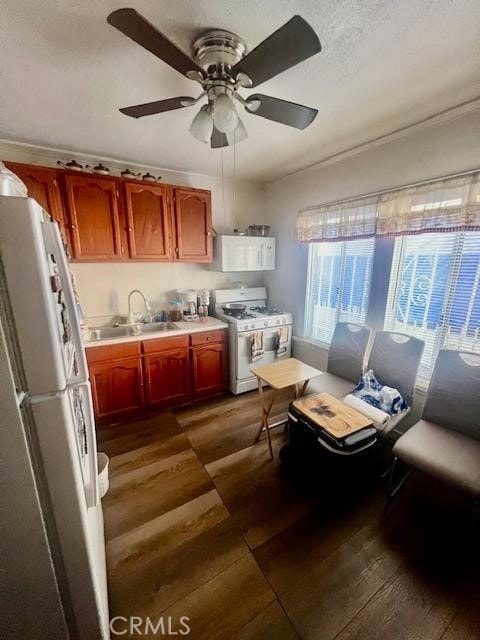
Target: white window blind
(434, 292)
(338, 285)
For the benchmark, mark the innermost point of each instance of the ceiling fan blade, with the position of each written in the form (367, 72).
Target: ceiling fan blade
(294, 42)
(218, 139)
(150, 108)
(289, 113)
(136, 27)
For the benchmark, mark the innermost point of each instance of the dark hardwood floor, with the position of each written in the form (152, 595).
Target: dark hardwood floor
(201, 523)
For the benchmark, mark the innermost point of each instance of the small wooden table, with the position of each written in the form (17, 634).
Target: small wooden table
(280, 375)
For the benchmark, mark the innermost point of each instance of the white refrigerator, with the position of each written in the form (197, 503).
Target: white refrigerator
(54, 556)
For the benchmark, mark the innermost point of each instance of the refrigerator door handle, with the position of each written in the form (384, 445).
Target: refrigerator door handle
(53, 242)
(92, 489)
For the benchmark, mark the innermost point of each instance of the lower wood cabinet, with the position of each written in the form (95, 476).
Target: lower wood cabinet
(117, 387)
(165, 372)
(209, 368)
(168, 378)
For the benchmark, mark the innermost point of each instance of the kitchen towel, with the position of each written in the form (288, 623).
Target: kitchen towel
(377, 416)
(282, 341)
(256, 345)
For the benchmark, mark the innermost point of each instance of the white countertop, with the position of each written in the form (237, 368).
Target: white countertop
(196, 326)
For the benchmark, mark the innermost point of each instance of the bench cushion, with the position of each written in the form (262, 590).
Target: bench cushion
(442, 453)
(328, 383)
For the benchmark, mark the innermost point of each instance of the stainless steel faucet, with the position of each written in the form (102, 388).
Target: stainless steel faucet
(148, 308)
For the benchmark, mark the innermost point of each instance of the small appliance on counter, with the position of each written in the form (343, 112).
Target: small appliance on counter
(189, 304)
(175, 310)
(203, 298)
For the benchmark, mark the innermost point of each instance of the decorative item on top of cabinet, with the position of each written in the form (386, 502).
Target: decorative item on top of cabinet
(42, 186)
(148, 219)
(193, 224)
(94, 218)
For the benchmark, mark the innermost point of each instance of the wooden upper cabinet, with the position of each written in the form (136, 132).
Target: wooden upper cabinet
(193, 225)
(148, 222)
(42, 185)
(94, 218)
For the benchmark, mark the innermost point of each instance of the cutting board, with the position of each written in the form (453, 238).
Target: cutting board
(331, 414)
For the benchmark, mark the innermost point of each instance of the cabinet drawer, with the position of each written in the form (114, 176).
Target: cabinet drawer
(112, 352)
(164, 344)
(207, 337)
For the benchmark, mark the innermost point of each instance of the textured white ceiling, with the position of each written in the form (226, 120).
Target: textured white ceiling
(385, 64)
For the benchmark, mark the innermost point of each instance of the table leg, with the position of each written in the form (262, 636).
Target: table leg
(266, 408)
(299, 391)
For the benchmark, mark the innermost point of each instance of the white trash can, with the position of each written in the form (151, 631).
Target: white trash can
(102, 466)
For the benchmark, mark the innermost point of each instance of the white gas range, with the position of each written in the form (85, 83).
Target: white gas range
(257, 317)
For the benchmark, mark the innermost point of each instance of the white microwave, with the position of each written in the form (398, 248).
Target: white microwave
(243, 253)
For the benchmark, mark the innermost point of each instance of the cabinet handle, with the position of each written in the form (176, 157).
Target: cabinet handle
(129, 229)
(209, 233)
(73, 226)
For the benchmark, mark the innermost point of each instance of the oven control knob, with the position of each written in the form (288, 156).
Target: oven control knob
(265, 324)
(278, 321)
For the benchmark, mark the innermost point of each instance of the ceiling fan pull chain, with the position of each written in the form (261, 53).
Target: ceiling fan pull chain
(234, 220)
(223, 187)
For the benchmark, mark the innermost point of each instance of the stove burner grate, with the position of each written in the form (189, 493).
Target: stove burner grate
(267, 311)
(240, 315)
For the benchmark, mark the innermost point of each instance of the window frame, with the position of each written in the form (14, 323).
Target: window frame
(309, 303)
(398, 259)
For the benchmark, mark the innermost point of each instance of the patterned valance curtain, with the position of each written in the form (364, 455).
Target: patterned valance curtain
(342, 221)
(444, 205)
(452, 204)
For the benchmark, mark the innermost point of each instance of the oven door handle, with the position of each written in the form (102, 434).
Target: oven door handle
(267, 333)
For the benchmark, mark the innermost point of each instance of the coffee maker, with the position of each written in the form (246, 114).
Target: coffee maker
(189, 304)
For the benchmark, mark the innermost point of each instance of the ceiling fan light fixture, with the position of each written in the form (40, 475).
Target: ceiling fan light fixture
(202, 124)
(225, 116)
(237, 135)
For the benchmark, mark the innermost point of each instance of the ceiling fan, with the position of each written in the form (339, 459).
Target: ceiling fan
(222, 66)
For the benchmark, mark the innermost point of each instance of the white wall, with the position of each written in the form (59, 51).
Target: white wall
(103, 287)
(431, 152)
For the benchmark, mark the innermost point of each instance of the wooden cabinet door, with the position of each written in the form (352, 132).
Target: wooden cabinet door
(42, 185)
(209, 366)
(94, 218)
(117, 386)
(168, 378)
(148, 219)
(193, 225)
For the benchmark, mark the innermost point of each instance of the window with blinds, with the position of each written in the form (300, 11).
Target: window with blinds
(434, 292)
(338, 285)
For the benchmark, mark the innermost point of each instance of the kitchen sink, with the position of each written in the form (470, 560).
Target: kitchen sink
(158, 326)
(106, 333)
